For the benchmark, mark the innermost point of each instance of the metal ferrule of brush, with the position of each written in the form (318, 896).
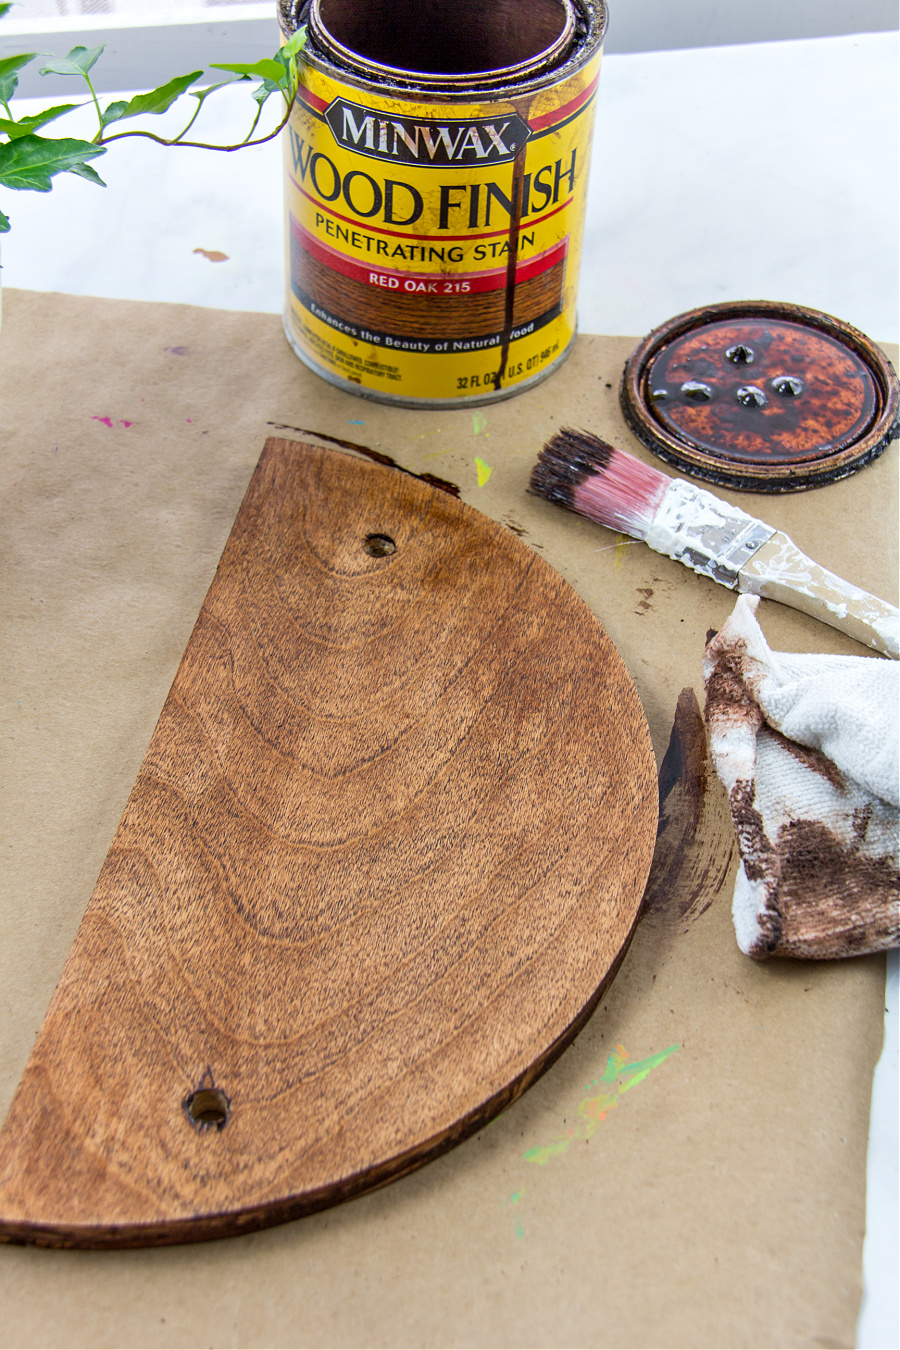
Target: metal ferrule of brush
(705, 533)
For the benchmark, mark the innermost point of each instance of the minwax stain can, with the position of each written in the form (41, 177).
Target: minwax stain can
(437, 165)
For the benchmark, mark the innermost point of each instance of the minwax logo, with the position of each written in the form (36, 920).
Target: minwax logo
(406, 140)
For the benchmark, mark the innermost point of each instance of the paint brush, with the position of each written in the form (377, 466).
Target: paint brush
(714, 538)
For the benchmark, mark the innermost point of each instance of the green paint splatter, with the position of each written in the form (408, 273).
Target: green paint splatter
(543, 1153)
(483, 470)
(637, 1072)
(614, 1064)
(479, 423)
(600, 1097)
(618, 1077)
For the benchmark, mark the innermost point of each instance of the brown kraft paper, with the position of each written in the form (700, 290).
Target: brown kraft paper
(691, 1172)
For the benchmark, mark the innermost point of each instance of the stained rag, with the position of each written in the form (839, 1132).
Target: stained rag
(807, 749)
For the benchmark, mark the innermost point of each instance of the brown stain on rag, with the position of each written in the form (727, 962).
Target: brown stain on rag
(833, 901)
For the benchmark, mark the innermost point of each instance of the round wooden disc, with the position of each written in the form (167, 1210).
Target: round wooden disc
(761, 396)
(386, 848)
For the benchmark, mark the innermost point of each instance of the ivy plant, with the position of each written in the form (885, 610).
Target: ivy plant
(31, 157)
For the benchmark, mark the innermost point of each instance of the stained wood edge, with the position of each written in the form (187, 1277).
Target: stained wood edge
(211, 1227)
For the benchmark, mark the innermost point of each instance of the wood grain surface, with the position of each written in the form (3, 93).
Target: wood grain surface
(386, 848)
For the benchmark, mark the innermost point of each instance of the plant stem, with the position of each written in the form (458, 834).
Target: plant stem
(202, 145)
(94, 97)
(185, 130)
(246, 140)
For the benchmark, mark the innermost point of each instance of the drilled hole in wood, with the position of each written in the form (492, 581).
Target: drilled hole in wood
(379, 545)
(207, 1108)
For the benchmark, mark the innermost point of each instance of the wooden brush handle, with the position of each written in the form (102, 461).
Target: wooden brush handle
(779, 571)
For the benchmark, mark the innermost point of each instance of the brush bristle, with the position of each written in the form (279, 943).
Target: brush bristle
(584, 474)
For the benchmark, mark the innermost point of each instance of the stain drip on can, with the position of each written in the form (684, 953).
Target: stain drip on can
(437, 165)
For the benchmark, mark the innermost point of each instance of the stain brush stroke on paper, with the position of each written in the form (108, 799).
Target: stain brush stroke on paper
(695, 840)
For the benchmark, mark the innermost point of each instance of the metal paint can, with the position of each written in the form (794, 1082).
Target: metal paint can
(436, 168)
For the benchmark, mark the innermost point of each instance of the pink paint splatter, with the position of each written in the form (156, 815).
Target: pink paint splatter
(108, 422)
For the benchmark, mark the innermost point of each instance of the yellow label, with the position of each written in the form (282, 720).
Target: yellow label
(434, 248)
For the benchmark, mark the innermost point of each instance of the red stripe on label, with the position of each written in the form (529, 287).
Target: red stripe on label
(312, 100)
(560, 114)
(430, 283)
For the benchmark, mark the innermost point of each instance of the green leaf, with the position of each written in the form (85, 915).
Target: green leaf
(267, 68)
(296, 42)
(264, 91)
(9, 80)
(78, 62)
(201, 95)
(285, 58)
(86, 171)
(156, 101)
(4, 223)
(30, 162)
(9, 64)
(4, 10)
(114, 112)
(32, 121)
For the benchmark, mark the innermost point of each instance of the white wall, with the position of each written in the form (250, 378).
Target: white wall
(660, 25)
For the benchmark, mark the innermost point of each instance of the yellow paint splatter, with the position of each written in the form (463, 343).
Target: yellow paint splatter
(483, 470)
(622, 542)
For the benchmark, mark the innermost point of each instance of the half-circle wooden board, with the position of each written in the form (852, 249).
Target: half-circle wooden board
(386, 848)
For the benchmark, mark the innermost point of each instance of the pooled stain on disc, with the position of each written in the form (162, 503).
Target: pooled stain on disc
(761, 396)
(763, 389)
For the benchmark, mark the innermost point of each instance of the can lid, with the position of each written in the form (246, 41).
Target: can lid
(761, 396)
